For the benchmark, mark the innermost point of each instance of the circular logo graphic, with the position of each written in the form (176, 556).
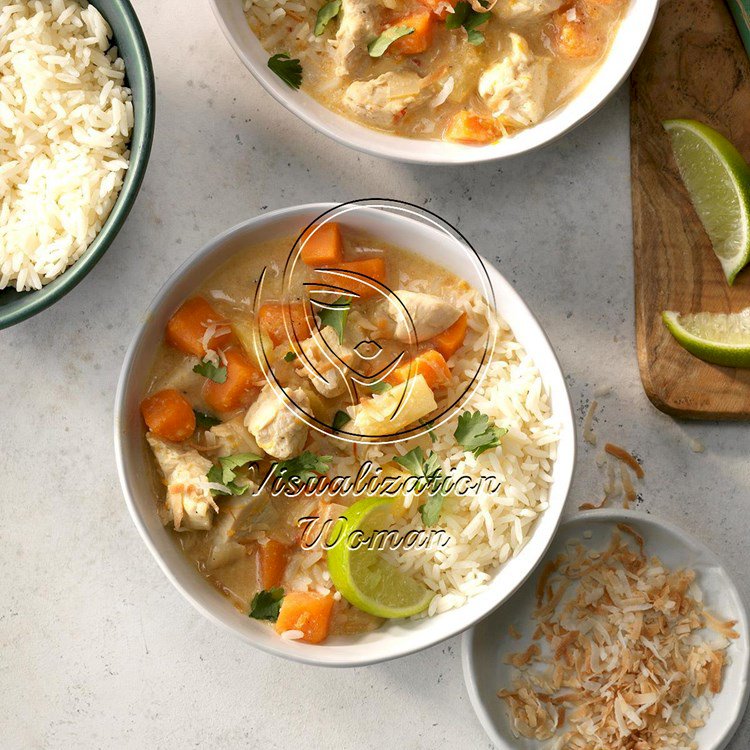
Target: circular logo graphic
(360, 336)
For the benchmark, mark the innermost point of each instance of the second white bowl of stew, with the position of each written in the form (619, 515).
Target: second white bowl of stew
(342, 434)
(439, 81)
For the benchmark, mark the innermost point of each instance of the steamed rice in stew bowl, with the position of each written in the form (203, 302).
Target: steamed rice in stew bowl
(275, 377)
(466, 71)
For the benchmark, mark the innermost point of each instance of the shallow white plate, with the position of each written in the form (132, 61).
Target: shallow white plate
(484, 647)
(397, 637)
(629, 41)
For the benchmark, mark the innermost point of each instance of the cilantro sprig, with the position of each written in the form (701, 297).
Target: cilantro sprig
(464, 15)
(287, 68)
(340, 418)
(428, 469)
(209, 370)
(336, 315)
(299, 469)
(205, 421)
(325, 15)
(266, 604)
(380, 387)
(225, 473)
(475, 434)
(290, 357)
(377, 47)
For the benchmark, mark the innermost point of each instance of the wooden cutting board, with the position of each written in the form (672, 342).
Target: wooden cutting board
(693, 66)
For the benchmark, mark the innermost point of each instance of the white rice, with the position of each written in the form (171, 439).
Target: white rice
(65, 124)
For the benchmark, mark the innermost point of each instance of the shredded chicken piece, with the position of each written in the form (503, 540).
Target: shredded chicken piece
(619, 658)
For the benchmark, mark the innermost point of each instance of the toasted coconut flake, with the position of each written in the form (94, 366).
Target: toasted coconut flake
(620, 657)
(588, 423)
(622, 455)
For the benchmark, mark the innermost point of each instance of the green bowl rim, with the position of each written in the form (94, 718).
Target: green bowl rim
(41, 299)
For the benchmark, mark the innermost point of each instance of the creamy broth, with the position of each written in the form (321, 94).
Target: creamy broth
(535, 56)
(231, 292)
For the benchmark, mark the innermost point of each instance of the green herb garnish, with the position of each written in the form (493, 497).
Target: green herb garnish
(429, 429)
(225, 472)
(290, 357)
(340, 418)
(303, 467)
(335, 316)
(205, 421)
(286, 68)
(475, 434)
(209, 370)
(427, 468)
(326, 14)
(266, 604)
(377, 47)
(380, 387)
(464, 15)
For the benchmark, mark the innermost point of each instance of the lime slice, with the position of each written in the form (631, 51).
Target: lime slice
(718, 180)
(361, 573)
(715, 337)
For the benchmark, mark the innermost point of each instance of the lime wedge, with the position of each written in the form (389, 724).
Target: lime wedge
(361, 573)
(718, 180)
(723, 339)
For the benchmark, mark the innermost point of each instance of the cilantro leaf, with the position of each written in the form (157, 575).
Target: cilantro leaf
(290, 357)
(475, 37)
(429, 429)
(335, 315)
(225, 472)
(475, 434)
(266, 604)
(457, 18)
(377, 47)
(286, 68)
(205, 421)
(209, 370)
(474, 20)
(428, 468)
(303, 467)
(340, 418)
(326, 14)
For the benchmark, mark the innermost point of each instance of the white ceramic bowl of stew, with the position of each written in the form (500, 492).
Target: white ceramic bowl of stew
(395, 637)
(627, 45)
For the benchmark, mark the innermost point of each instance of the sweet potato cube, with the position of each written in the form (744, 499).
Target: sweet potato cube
(309, 613)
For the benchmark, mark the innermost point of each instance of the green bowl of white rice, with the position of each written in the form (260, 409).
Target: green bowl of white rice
(77, 108)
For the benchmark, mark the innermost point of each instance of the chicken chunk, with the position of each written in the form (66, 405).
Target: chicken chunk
(382, 100)
(189, 503)
(516, 87)
(427, 315)
(359, 24)
(232, 437)
(188, 383)
(525, 10)
(236, 515)
(321, 365)
(276, 429)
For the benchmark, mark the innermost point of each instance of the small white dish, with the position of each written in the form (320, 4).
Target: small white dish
(485, 646)
(630, 39)
(397, 637)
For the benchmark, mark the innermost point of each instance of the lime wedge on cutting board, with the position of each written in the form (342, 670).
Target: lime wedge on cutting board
(723, 339)
(362, 575)
(718, 180)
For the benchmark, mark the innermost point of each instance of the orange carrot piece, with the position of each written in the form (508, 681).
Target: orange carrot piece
(323, 245)
(469, 127)
(310, 613)
(423, 23)
(273, 557)
(169, 415)
(430, 364)
(369, 270)
(187, 327)
(450, 340)
(271, 320)
(439, 7)
(238, 389)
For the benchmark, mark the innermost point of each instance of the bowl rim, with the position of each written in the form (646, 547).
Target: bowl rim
(465, 154)
(613, 515)
(37, 300)
(316, 657)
